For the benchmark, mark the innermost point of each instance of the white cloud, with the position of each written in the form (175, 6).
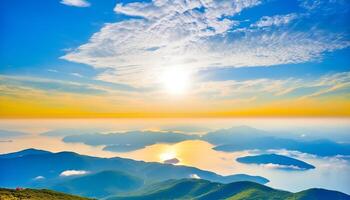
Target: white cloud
(248, 88)
(77, 75)
(171, 33)
(251, 90)
(327, 6)
(181, 34)
(276, 20)
(39, 178)
(195, 176)
(331, 83)
(277, 166)
(73, 173)
(77, 3)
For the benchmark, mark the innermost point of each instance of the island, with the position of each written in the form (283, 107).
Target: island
(276, 161)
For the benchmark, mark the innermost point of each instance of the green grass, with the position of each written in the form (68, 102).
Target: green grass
(191, 189)
(31, 194)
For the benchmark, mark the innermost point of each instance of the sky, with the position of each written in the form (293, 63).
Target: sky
(176, 58)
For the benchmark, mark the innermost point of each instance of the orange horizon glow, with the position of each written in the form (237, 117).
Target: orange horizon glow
(38, 105)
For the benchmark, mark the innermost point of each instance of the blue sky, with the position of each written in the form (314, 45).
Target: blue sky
(134, 46)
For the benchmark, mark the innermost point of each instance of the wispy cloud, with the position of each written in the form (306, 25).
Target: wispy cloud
(76, 74)
(331, 83)
(15, 84)
(196, 35)
(195, 176)
(73, 173)
(76, 3)
(251, 90)
(52, 70)
(277, 166)
(169, 28)
(38, 178)
(324, 96)
(276, 20)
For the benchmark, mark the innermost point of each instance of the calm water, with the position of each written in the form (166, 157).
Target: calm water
(331, 172)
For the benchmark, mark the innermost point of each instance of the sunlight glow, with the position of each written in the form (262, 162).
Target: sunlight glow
(167, 155)
(175, 80)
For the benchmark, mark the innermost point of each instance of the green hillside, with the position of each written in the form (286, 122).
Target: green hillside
(30, 194)
(318, 194)
(100, 184)
(189, 189)
(194, 189)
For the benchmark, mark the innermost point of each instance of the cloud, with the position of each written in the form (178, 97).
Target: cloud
(77, 75)
(328, 90)
(169, 28)
(73, 173)
(277, 166)
(195, 176)
(251, 90)
(38, 178)
(331, 83)
(76, 3)
(213, 98)
(326, 6)
(32, 83)
(194, 35)
(276, 20)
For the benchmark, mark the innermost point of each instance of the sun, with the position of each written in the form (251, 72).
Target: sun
(175, 81)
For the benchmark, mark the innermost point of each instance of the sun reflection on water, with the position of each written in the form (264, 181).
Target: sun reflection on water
(167, 155)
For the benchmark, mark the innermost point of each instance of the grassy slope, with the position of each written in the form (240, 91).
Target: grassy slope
(30, 194)
(318, 194)
(190, 189)
(100, 184)
(205, 190)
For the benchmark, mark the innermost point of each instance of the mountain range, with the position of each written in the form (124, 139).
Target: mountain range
(246, 138)
(197, 189)
(238, 138)
(126, 179)
(66, 171)
(188, 189)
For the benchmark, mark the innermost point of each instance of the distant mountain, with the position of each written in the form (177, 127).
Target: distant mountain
(319, 194)
(24, 153)
(100, 184)
(238, 138)
(246, 138)
(24, 171)
(316, 147)
(31, 194)
(67, 132)
(279, 161)
(205, 190)
(230, 136)
(129, 141)
(148, 180)
(10, 134)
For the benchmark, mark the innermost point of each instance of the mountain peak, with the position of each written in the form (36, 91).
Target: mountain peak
(25, 152)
